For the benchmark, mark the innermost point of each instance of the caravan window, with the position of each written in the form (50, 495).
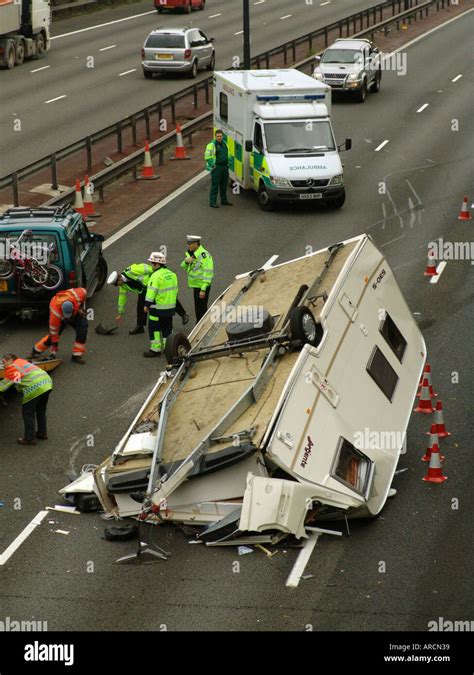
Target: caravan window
(382, 373)
(393, 336)
(352, 467)
(224, 107)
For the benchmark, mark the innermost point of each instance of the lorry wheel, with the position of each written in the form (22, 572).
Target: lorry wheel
(40, 45)
(101, 273)
(375, 86)
(264, 200)
(304, 328)
(20, 53)
(360, 96)
(10, 56)
(177, 346)
(336, 202)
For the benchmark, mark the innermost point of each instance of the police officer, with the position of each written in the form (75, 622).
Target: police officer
(35, 386)
(216, 157)
(160, 303)
(134, 279)
(199, 267)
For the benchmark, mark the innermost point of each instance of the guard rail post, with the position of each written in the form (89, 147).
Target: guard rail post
(89, 153)
(173, 108)
(16, 201)
(147, 122)
(119, 137)
(54, 172)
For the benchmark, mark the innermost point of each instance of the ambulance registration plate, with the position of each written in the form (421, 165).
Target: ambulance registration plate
(311, 195)
(3, 286)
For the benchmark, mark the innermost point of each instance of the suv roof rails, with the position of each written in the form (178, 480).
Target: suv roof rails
(37, 212)
(352, 39)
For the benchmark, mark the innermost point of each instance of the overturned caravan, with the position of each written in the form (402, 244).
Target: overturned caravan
(265, 419)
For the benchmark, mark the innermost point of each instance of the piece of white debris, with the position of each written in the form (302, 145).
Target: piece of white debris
(194, 541)
(243, 550)
(62, 531)
(308, 576)
(63, 509)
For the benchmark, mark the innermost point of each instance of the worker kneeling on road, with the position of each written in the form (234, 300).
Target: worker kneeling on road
(66, 307)
(35, 385)
(134, 279)
(160, 304)
(199, 267)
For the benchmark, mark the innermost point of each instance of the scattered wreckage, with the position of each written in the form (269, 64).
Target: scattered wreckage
(250, 433)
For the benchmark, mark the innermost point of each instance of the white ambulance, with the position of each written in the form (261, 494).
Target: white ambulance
(278, 130)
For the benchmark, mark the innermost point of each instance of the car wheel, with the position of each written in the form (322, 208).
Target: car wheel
(177, 346)
(212, 62)
(101, 273)
(375, 86)
(20, 53)
(360, 96)
(194, 70)
(147, 74)
(336, 202)
(10, 57)
(264, 200)
(304, 328)
(203, 4)
(187, 9)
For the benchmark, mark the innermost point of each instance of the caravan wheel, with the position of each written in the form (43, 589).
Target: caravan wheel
(177, 346)
(304, 328)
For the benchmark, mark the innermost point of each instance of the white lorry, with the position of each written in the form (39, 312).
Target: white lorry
(278, 130)
(24, 30)
(288, 405)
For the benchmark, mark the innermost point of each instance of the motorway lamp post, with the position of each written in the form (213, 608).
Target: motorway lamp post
(246, 27)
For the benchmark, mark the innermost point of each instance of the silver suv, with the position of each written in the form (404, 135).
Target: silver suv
(177, 50)
(351, 66)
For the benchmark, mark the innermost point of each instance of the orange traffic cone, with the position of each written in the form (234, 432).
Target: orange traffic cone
(78, 203)
(89, 208)
(433, 439)
(439, 421)
(464, 212)
(180, 151)
(424, 404)
(147, 172)
(427, 375)
(430, 270)
(435, 472)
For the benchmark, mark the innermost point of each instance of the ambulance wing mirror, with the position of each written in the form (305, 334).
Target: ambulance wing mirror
(248, 146)
(347, 145)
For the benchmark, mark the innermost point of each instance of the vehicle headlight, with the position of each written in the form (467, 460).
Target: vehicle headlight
(317, 75)
(353, 77)
(337, 180)
(280, 182)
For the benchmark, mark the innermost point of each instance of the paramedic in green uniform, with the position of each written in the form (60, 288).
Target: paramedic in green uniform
(216, 157)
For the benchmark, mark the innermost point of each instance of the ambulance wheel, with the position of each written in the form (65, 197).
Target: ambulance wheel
(336, 202)
(304, 328)
(264, 199)
(177, 346)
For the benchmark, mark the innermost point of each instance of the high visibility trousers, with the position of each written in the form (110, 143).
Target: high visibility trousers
(160, 325)
(80, 325)
(219, 183)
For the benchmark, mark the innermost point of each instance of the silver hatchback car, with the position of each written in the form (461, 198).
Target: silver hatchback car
(179, 50)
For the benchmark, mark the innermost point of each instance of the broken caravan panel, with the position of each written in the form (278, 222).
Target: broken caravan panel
(314, 403)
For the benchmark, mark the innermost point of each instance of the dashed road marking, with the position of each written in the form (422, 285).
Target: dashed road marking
(382, 145)
(51, 100)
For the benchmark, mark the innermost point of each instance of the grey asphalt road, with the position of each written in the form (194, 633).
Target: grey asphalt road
(97, 96)
(424, 535)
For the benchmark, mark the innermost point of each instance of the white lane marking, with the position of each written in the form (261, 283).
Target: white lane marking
(302, 560)
(239, 32)
(455, 79)
(104, 49)
(213, 16)
(439, 272)
(382, 145)
(131, 226)
(36, 70)
(321, 4)
(259, 2)
(287, 16)
(414, 191)
(423, 107)
(16, 543)
(51, 100)
(101, 25)
(127, 72)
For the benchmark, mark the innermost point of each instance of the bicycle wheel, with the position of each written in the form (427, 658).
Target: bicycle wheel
(55, 278)
(6, 269)
(38, 273)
